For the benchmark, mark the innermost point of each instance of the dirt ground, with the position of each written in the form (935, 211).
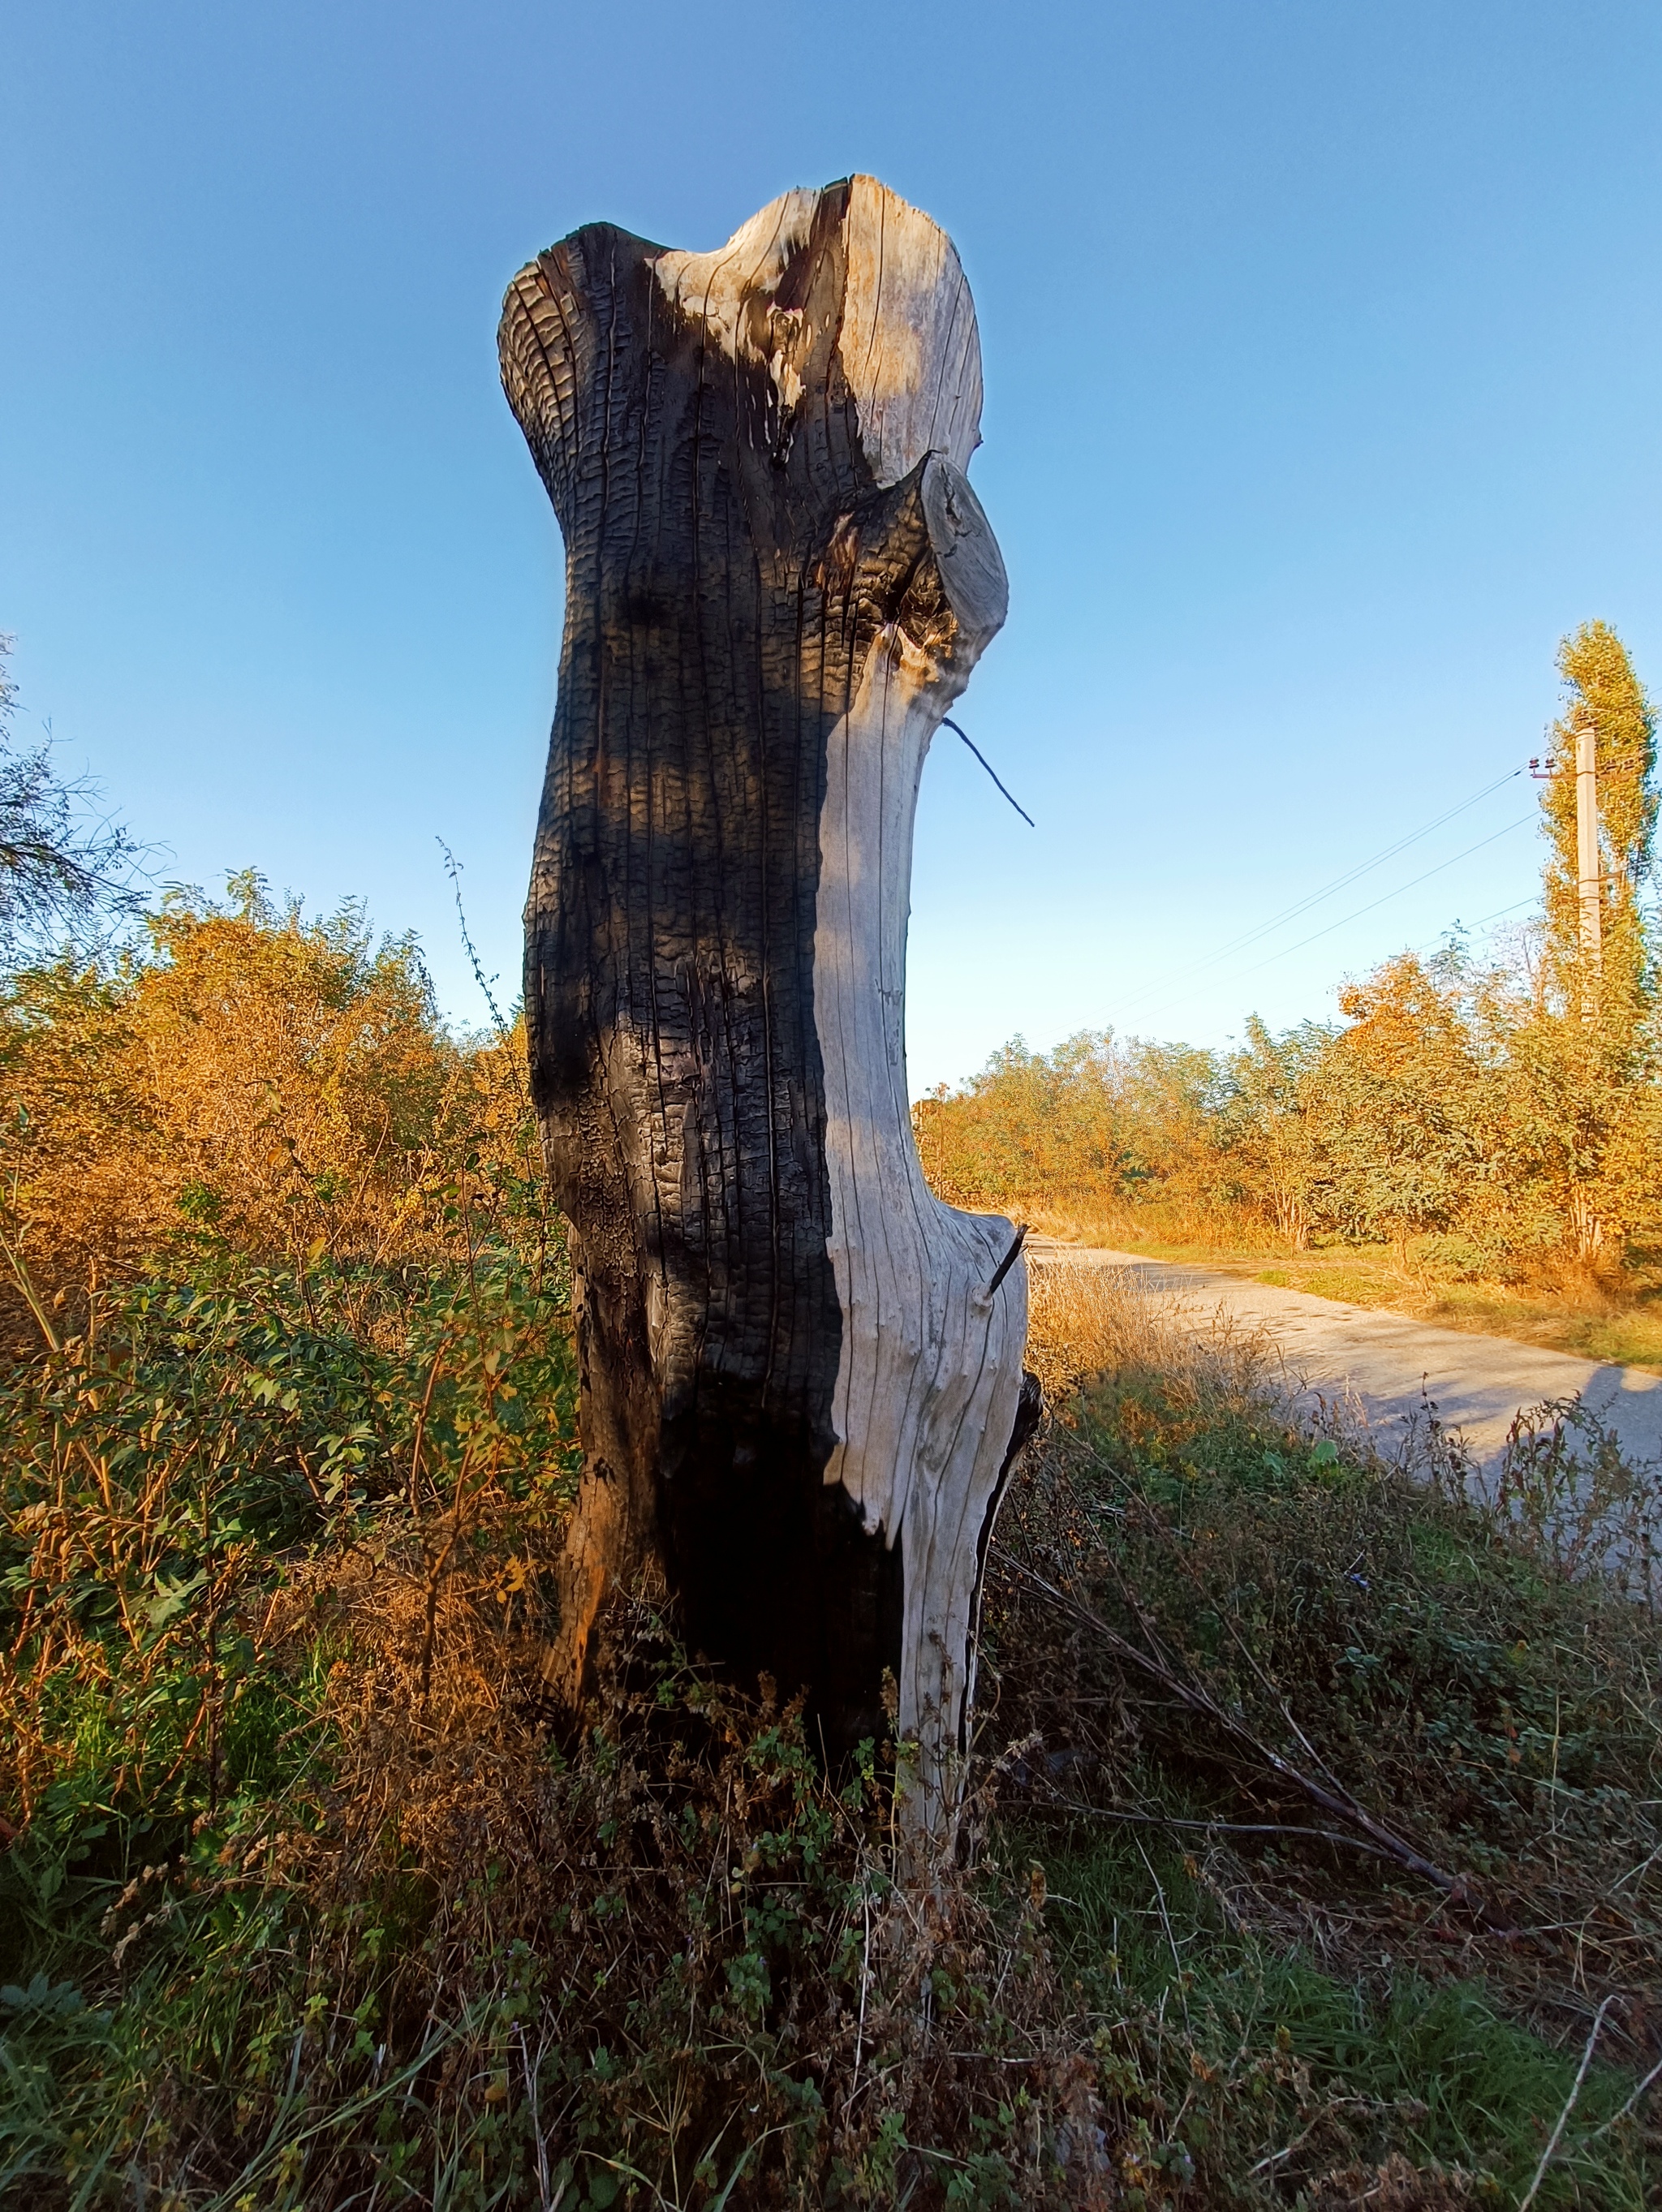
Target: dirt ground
(1388, 1365)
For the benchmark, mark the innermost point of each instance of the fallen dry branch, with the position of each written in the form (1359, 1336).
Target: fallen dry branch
(1329, 1798)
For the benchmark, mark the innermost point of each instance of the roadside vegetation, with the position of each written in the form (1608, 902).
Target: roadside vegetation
(1312, 1854)
(1479, 1139)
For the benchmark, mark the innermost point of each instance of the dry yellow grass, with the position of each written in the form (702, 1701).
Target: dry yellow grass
(1086, 1320)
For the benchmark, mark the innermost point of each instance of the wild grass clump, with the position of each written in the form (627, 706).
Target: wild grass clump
(308, 1898)
(310, 1895)
(1346, 1780)
(417, 1949)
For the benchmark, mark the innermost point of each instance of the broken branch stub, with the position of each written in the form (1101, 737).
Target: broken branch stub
(799, 1387)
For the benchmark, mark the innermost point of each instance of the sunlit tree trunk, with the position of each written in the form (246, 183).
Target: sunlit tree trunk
(1292, 1220)
(801, 1373)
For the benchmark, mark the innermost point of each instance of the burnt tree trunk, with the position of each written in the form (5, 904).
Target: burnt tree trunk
(800, 1388)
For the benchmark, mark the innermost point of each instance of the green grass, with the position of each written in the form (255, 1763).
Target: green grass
(311, 1900)
(1303, 2008)
(1265, 2057)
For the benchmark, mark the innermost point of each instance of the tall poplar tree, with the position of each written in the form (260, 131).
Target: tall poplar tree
(1590, 1062)
(1602, 688)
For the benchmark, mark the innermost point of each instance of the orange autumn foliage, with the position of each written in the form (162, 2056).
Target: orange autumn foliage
(282, 1083)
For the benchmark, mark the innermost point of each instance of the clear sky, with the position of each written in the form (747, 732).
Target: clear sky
(1321, 353)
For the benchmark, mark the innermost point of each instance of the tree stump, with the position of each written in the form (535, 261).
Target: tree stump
(800, 1382)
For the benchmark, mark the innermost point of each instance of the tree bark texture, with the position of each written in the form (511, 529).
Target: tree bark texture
(799, 1387)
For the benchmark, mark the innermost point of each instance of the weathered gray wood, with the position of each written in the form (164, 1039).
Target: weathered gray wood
(800, 1389)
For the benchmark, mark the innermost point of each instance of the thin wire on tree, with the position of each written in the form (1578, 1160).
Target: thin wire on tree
(946, 722)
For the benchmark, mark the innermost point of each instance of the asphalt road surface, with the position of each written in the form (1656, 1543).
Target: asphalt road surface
(1386, 1365)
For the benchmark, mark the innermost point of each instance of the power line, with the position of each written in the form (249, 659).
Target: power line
(1531, 899)
(1341, 883)
(1328, 890)
(1386, 897)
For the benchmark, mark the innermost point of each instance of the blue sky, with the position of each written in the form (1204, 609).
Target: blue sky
(1321, 346)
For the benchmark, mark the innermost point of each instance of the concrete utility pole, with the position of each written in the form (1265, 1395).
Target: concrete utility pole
(1588, 867)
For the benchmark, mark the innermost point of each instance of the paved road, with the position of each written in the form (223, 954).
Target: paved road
(1386, 1363)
